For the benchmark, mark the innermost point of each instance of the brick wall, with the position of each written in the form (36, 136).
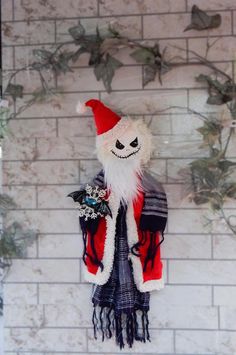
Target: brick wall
(51, 150)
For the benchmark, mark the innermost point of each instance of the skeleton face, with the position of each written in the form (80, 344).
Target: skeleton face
(130, 141)
(124, 148)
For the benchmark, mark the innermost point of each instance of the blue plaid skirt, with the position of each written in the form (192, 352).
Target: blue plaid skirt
(119, 307)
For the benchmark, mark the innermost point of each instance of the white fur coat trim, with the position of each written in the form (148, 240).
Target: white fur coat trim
(101, 277)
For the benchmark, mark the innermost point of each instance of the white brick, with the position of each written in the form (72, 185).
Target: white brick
(202, 272)
(44, 271)
(24, 54)
(68, 315)
(28, 32)
(20, 294)
(183, 146)
(186, 124)
(30, 128)
(6, 10)
(19, 149)
(175, 295)
(173, 25)
(186, 221)
(60, 246)
(51, 172)
(157, 168)
(23, 315)
(7, 58)
(189, 317)
(56, 196)
(88, 169)
(128, 26)
(66, 148)
(31, 82)
(205, 342)
(76, 127)
(57, 106)
(184, 76)
(54, 9)
(23, 196)
(159, 125)
(64, 293)
(178, 195)
(108, 7)
(224, 246)
(227, 318)
(144, 102)
(162, 342)
(213, 5)
(219, 226)
(198, 101)
(46, 221)
(186, 246)
(36, 339)
(222, 49)
(231, 147)
(225, 296)
(83, 79)
(178, 170)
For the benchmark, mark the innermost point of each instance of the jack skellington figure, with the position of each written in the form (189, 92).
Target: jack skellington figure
(123, 214)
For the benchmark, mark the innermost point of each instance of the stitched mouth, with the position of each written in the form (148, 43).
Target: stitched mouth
(127, 156)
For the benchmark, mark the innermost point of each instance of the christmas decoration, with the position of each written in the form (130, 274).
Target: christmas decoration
(123, 214)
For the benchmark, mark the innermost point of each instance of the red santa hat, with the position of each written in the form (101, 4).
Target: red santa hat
(105, 118)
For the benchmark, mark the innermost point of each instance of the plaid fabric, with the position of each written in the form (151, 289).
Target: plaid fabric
(120, 292)
(121, 296)
(119, 307)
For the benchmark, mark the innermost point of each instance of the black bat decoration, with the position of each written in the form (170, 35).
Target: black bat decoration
(103, 208)
(78, 196)
(82, 198)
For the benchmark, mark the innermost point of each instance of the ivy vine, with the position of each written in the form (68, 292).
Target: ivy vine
(211, 177)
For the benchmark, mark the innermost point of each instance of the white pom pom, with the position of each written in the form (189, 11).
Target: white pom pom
(81, 108)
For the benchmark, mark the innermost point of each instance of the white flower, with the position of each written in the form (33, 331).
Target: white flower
(101, 193)
(88, 189)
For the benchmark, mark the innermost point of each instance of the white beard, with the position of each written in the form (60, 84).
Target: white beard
(123, 178)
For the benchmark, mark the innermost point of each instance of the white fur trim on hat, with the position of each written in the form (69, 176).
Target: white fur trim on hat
(81, 108)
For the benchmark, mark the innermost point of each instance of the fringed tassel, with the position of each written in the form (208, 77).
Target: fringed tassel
(125, 326)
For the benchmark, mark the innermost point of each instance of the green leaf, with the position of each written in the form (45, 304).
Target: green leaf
(61, 64)
(149, 73)
(201, 21)
(6, 203)
(231, 190)
(216, 100)
(105, 70)
(77, 54)
(42, 54)
(225, 165)
(4, 117)
(210, 131)
(143, 55)
(15, 91)
(14, 241)
(77, 32)
(110, 44)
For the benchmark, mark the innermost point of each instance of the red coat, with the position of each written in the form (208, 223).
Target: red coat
(147, 277)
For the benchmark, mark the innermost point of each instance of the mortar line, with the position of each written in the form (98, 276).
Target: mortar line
(34, 44)
(48, 19)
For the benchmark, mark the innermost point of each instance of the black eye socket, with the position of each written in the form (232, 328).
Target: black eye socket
(134, 143)
(119, 145)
